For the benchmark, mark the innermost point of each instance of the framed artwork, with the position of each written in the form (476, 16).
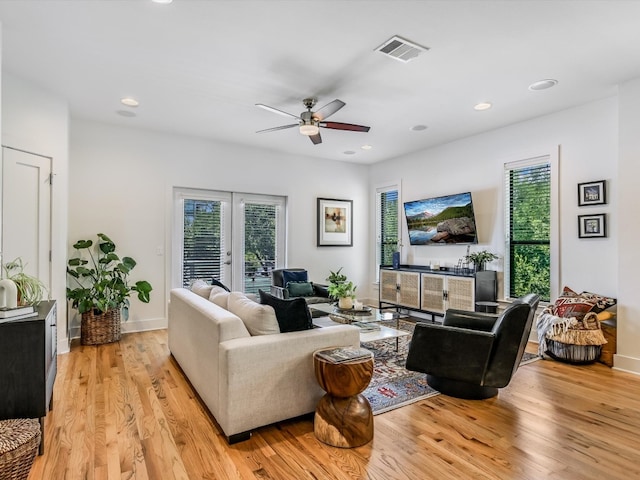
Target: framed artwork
(335, 222)
(592, 226)
(592, 193)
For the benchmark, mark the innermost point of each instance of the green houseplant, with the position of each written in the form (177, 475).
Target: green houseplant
(30, 288)
(479, 259)
(341, 289)
(100, 289)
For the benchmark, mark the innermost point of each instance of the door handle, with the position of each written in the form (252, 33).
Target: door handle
(228, 262)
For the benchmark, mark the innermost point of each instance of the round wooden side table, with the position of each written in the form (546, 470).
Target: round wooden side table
(343, 416)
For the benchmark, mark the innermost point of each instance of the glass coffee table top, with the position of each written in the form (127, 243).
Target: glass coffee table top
(368, 321)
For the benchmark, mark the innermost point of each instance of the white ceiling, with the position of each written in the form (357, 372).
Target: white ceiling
(199, 67)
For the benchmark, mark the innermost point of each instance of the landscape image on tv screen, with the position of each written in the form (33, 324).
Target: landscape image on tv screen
(441, 220)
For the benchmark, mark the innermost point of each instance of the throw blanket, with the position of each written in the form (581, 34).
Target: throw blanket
(568, 330)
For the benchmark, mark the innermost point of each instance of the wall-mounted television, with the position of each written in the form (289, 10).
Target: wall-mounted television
(441, 220)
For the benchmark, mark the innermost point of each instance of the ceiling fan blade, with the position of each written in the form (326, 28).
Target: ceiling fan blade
(316, 139)
(329, 109)
(275, 110)
(278, 128)
(344, 126)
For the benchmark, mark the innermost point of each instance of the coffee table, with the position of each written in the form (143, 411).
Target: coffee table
(368, 322)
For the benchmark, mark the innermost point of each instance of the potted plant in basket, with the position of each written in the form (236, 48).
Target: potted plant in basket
(341, 289)
(479, 259)
(101, 289)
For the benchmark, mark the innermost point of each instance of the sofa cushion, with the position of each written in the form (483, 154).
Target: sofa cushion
(259, 319)
(218, 283)
(293, 314)
(219, 296)
(294, 276)
(300, 289)
(201, 288)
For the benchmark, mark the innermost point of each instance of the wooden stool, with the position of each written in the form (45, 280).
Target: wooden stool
(343, 416)
(19, 441)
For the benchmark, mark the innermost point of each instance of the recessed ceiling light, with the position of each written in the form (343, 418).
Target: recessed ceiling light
(366, 147)
(482, 106)
(129, 102)
(418, 128)
(349, 152)
(163, 2)
(543, 84)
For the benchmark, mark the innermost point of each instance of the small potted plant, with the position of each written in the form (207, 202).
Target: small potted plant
(101, 289)
(30, 288)
(479, 259)
(341, 289)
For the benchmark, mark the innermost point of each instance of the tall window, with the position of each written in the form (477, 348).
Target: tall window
(528, 227)
(387, 226)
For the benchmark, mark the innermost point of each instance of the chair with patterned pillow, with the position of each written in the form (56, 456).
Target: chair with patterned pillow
(294, 282)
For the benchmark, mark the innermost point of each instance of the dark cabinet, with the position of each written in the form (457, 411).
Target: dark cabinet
(28, 364)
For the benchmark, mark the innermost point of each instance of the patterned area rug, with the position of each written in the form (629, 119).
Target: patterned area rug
(392, 385)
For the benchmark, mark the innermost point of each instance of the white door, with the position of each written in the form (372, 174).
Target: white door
(26, 211)
(237, 238)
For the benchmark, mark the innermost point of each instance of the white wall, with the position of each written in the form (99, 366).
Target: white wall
(628, 356)
(587, 136)
(37, 121)
(121, 181)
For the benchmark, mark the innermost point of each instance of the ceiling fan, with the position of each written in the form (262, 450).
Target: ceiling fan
(310, 122)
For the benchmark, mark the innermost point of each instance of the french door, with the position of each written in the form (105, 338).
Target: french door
(237, 238)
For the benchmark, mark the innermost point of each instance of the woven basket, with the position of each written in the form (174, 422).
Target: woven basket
(19, 442)
(576, 354)
(99, 329)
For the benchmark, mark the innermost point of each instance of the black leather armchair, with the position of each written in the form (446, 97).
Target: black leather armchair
(471, 355)
(279, 288)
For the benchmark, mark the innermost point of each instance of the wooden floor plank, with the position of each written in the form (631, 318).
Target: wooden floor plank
(125, 410)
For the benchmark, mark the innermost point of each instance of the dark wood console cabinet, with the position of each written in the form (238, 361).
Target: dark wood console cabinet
(28, 364)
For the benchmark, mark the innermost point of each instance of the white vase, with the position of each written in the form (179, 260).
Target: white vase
(345, 303)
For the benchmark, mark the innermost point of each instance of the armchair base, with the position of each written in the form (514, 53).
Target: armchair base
(458, 389)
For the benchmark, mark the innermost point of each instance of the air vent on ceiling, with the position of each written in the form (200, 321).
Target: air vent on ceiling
(401, 49)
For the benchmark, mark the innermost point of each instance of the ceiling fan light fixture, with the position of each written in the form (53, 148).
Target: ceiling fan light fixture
(309, 129)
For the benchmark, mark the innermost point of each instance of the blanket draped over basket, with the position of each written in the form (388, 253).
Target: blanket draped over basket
(569, 331)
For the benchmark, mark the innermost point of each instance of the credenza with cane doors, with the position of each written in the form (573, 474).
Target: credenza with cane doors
(419, 288)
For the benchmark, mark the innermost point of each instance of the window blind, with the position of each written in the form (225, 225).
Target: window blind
(529, 229)
(260, 242)
(203, 231)
(388, 225)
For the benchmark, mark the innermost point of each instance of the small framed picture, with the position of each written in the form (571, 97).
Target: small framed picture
(592, 193)
(335, 222)
(592, 226)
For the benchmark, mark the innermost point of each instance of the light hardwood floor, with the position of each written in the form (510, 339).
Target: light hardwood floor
(125, 411)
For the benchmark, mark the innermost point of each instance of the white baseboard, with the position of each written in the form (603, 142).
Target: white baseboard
(127, 327)
(626, 364)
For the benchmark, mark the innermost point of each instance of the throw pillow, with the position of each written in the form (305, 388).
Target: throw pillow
(220, 297)
(294, 276)
(572, 304)
(259, 319)
(300, 289)
(218, 283)
(293, 314)
(201, 288)
(601, 302)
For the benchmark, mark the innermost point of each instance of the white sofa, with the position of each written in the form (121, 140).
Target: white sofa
(247, 381)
